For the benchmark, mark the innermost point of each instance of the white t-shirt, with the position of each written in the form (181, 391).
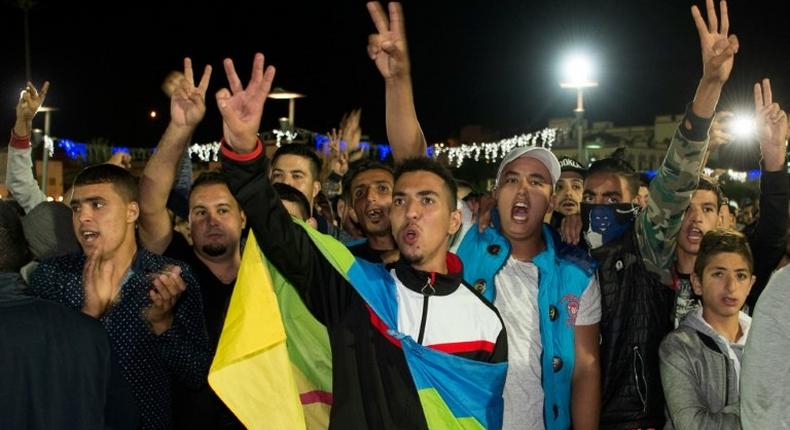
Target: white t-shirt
(517, 301)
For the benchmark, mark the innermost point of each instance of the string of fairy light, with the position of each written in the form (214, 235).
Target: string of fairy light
(457, 155)
(493, 151)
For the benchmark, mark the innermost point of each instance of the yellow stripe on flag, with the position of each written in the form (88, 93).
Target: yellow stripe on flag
(251, 371)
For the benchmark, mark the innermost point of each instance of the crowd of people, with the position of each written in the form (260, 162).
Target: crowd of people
(569, 296)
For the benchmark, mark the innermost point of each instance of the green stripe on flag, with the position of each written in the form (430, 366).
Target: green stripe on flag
(438, 414)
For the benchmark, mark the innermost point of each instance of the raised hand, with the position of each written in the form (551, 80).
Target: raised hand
(97, 280)
(167, 288)
(351, 132)
(242, 108)
(29, 103)
(188, 102)
(337, 158)
(771, 125)
(387, 48)
(718, 49)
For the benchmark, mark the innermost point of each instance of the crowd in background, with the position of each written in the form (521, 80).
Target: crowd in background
(568, 296)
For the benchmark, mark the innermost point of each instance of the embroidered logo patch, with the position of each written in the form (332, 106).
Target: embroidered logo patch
(572, 307)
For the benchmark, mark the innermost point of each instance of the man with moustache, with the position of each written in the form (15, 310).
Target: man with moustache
(215, 222)
(567, 196)
(380, 317)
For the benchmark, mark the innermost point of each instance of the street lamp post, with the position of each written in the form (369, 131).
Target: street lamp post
(577, 70)
(45, 157)
(281, 94)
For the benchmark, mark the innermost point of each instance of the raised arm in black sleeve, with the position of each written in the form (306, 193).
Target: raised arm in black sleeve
(767, 240)
(324, 291)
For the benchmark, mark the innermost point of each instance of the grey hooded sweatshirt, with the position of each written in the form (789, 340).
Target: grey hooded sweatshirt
(700, 373)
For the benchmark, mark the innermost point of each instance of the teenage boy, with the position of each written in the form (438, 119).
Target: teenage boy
(701, 360)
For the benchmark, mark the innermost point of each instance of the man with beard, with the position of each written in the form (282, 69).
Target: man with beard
(215, 221)
(385, 325)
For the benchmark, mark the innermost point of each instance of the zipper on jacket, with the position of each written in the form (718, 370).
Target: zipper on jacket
(639, 376)
(727, 379)
(427, 291)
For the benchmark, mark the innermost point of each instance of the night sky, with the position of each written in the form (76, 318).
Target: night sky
(493, 63)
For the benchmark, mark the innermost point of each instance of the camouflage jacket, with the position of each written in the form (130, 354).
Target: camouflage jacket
(670, 193)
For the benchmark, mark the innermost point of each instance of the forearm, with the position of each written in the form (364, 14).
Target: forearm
(586, 399)
(586, 384)
(700, 418)
(768, 240)
(156, 182)
(774, 196)
(403, 129)
(686, 404)
(19, 171)
(23, 127)
(706, 98)
(670, 193)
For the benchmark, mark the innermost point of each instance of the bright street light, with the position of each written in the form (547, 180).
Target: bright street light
(577, 72)
(742, 126)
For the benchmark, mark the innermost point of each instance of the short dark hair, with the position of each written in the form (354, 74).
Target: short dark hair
(618, 167)
(720, 240)
(301, 150)
(361, 168)
(211, 177)
(424, 164)
(291, 194)
(15, 253)
(709, 184)
(124, 182)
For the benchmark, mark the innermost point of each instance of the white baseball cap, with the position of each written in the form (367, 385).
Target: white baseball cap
(537, 152)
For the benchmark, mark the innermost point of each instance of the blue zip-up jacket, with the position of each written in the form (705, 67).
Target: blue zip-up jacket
(563, 270)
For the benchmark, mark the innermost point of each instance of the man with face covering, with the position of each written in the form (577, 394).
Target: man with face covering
(636, 252)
